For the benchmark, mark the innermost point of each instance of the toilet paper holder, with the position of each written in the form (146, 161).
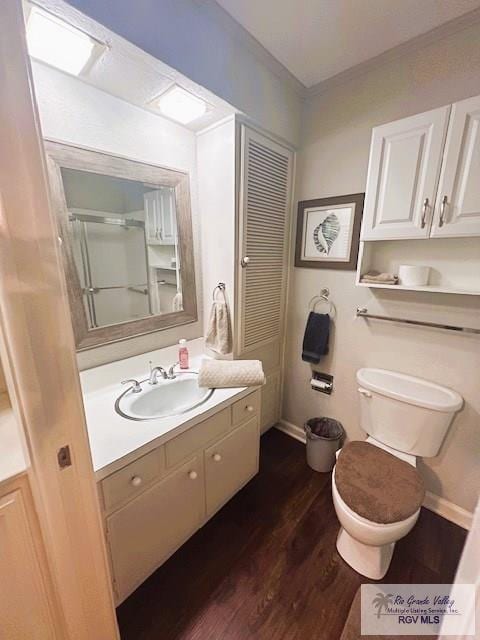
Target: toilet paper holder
(322, 382)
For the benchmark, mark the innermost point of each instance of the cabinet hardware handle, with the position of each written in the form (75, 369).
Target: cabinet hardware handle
(443, 207)
(364, 392)
(193, 475)
(217, 457)
(249, 408)
(136, 481)
(424, 213)
(244, 261)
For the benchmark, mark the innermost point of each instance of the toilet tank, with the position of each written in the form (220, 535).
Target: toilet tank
(406, 413)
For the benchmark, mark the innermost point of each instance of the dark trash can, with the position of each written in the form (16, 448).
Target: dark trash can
(324, 439)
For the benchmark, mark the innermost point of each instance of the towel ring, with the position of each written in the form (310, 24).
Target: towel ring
(323, 298)
(221, 286)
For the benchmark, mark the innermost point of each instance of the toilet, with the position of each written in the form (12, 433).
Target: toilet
(377, 490)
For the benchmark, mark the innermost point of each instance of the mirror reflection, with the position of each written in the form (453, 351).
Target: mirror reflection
(125, 246)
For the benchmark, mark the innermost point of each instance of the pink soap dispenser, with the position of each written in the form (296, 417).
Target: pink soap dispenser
(183, 358)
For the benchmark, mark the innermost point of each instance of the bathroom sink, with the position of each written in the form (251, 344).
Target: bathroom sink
(166, 398)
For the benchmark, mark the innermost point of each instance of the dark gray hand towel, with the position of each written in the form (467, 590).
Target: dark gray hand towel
(315, 340)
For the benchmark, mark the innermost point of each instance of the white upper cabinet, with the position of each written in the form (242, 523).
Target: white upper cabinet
(160, 223)
(457, 210)
(405, 161)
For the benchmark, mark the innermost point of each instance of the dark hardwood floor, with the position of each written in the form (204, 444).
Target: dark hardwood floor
(266, 568)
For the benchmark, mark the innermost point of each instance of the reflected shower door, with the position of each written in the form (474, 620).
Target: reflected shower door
(111, 261)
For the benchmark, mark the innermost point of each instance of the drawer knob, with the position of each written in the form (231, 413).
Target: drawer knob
(136, 481)
(193, 475)
(217, 457)
(249, 408)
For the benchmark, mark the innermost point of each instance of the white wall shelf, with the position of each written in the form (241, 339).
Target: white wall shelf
(454, 263)
(426, 288)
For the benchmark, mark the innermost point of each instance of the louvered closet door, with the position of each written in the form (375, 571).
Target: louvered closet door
(265, 203)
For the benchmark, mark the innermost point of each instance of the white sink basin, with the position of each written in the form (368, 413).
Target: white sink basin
(166, 398)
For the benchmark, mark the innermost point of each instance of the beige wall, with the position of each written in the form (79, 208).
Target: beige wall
(333, 161)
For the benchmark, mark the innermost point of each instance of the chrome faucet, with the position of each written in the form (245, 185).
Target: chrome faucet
(154, 372)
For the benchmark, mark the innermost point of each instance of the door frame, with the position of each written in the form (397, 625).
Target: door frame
(39, 356)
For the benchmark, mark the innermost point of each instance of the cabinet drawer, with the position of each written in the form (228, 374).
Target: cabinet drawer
(143, 533)
(197, 437)
(230, 463)
(246, 408)
(132, 479)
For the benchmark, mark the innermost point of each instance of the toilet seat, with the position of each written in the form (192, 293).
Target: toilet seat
(376, 485)
(367, 531)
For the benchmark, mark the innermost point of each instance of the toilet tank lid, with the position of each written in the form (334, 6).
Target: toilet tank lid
(405, 388)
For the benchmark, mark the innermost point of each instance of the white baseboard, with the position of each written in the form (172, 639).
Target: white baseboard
(438, 505)
(291, 430)
(448, 510)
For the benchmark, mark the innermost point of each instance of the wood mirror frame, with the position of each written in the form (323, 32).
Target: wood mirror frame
(71, 157)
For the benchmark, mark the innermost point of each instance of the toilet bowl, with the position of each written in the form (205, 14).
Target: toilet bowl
(405, 417)
(365, 545)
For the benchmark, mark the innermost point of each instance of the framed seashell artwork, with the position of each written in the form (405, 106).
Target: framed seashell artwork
(328, 232)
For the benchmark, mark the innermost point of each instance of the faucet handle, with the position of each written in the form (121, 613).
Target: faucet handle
(136, 388)
(171, 371)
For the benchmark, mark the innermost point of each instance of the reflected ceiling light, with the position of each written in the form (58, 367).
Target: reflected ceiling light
(58, 43)
(180, 105)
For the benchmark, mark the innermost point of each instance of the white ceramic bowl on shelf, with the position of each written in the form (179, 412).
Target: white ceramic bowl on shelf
(413, 275)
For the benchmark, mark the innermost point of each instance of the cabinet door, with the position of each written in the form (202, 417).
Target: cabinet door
(264, 221)
(405, 161)
(230, 463)
(24, 606)
(151, 203)
(168, 222)
(457, 211)
(270, 402)
(151, 527)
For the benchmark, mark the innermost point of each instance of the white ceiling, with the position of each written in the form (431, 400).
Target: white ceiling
(125, 71)
(317, 39)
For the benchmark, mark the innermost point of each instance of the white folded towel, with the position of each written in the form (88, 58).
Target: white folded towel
(177, 302)
(219, 332)
(223, 374)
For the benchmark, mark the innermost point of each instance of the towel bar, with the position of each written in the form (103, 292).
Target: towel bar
(362, 312)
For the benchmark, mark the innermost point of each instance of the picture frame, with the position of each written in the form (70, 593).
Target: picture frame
(328, 232)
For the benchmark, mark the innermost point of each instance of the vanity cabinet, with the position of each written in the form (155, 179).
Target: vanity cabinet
(144, 533)
(424, 176)
(155, 503)
(229, 463)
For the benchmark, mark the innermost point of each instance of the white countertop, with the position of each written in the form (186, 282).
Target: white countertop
(12, 457)
(114, 440)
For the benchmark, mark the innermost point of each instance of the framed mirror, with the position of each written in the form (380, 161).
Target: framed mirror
(127, 244)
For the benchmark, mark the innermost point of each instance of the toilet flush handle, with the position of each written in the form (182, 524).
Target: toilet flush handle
(364, 392)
